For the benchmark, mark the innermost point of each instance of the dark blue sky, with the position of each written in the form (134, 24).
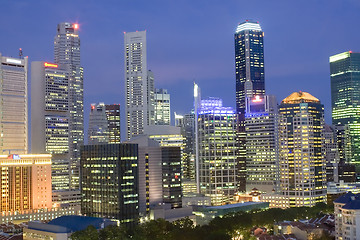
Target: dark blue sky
(189, 40)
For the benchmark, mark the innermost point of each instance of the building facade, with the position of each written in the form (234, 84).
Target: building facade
(347, 217)
(250, 81)
(115, 196)
(302, 160)
(262, 144)
(113, 118)
(162, 107)
(345, 99)
(217, 151)
(139, 85)
(50, 118)
(67, 56)
(13, 105)
(98, 131)
(25, 183)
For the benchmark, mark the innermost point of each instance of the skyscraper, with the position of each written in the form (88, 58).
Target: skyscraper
(139, 85)
(115, 196)
(217, 151)
(345, 99)
(113, 118)
(249, 62)
(302, 160)
(104, 123)
(250, 81)
(98, 125)
(262, 144)
(67, 56)
(162, 107)
(13, 105)
(50, 119)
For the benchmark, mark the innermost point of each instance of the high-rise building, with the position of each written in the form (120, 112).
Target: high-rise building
(98, 125)
(25, 183)
(249, 62)
(139, 85)
(250, 81)
(331, 154)
(162, 107)
(217, 151)
(262, 144)
(50, 119)
(302, 160)
(115, 196)
(345, 99)
(104, 124)
(113, 118)
(187, 125)
(67, 56)
(13, 105)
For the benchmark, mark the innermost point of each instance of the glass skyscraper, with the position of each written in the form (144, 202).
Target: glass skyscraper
(345, 99)
(249, 72)
(67, 56)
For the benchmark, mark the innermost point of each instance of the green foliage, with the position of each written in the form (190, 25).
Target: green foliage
(231, 226)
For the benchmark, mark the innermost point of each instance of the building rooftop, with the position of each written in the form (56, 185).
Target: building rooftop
(346, 198)
(248, 25)
(299, 97)
(69, 224)
(235, 205)
(352, 205)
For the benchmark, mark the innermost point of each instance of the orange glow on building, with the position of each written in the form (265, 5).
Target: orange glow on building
(76, 26)
(53, 65)
(26, 182)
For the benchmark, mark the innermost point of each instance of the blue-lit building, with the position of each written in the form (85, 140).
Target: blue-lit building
(250, 81)
(217, 151)
(262, 144)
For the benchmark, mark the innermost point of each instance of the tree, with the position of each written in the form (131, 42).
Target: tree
(90, 233)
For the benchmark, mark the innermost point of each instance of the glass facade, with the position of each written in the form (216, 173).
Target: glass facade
(109, 182)
(217, 151)
(345, 99)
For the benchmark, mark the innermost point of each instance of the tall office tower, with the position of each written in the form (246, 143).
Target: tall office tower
(187, 125)
(25, 183)
(139, 85)
(302, 160)
(345, 99)
(50, 119)
(162, 107)
(104, 124)
(113, 118)
(67, 56)
(262, 144)
(331, 154)
(250, 81)
(13, 105)
(116, 195)
(249, 62)
(98, 125)
(217, 151)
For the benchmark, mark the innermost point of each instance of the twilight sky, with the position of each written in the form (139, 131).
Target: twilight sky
(189, 40)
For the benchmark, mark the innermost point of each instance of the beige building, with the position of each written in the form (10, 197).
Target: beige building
(25, 182)
(13, 105)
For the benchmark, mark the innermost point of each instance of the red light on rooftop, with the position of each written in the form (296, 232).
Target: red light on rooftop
(92, 106)
(350, 51)
(52, 65)
(76, 26)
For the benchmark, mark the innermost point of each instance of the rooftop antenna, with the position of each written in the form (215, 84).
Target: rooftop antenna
(20, 53)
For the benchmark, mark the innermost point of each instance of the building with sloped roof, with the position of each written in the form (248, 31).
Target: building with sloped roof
(347, 216)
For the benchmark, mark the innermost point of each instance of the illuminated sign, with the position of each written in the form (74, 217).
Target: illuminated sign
(15, 61)
(50, 65)
(14, 157)
(257, 99)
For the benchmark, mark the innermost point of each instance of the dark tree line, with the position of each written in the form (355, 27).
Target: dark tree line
(231, 226)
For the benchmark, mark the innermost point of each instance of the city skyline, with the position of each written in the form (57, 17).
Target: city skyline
(292, 62)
